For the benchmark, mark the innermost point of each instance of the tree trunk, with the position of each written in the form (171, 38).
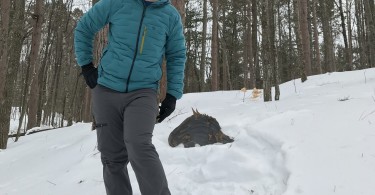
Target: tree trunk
(226, 73)
(44, 69)
(305, 40)
(281, 51)
(4, 29)
(14, 59)
(245, 47)
(73, 102)
(299, 66)
(370, 32)
(191, 78)
(24, 99)
(4, 111)
(317, 66)
(202, 64)
(266, 49)
(249, 80)
(250, 48)
(72, 76)
(361, 34)
(59, 63)
(57, 77)
(350, 41)
(329, 58)
(274, 54)
(223, 46)
(343, 26)
(291, 68)
(254, 31)
(34, 63)
(214, 46)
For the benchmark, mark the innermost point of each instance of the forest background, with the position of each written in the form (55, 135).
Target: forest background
(231, 45)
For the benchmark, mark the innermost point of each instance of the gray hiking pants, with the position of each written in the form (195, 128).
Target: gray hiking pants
(124, 124)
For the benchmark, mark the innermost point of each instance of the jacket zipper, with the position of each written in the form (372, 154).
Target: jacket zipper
(143, 40)
(136, 49)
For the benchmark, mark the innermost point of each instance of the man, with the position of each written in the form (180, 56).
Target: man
(124, 86)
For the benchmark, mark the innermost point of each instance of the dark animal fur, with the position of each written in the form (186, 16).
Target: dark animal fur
(198, 129)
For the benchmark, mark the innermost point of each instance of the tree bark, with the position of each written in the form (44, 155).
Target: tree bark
(361, 34)
(245, 52)
(291, 68)
(214, 46)
(299, 66)
(14, 58)
(254, 31)
(222, 44)
(44, 69)
(343, 26)
(266, 20)
(59, 63)
(250, 42)
(4, 111)
(202, 64)
(329, 58)
(274, 54)
(350, 35)
(34, 63)
(247, 48)
(305, 40)
(226, 73)
(4, 29)
(317, 66)
(370, 31)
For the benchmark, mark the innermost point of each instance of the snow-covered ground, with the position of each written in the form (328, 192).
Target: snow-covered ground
(319, 139)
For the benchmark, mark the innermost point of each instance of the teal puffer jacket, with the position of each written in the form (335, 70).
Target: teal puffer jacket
(139, 36)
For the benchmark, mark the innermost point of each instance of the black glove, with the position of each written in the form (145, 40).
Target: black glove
(167, 107)
(90, 73)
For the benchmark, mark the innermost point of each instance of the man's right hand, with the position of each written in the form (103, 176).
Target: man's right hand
(90, 73)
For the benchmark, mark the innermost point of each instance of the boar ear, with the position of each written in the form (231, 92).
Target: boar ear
(196, 110)
(193, 111)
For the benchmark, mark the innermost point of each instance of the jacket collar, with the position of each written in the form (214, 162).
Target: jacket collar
(158, 3)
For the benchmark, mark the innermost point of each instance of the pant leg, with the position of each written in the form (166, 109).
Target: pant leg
(139, 121)
(109, 121)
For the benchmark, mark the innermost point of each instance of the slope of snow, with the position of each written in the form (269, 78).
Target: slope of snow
(319, 139)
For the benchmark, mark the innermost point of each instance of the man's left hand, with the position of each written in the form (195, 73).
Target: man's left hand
(168, 105)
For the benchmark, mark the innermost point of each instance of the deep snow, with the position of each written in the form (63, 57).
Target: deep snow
(319, 139)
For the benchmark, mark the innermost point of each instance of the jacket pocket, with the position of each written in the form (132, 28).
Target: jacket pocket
(153, 40)
(143, 40)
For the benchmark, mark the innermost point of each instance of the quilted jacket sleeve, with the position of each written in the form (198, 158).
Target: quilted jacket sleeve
(176, 58)
(90, 23)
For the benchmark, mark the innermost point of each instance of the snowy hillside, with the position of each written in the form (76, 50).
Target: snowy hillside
(319, 139)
